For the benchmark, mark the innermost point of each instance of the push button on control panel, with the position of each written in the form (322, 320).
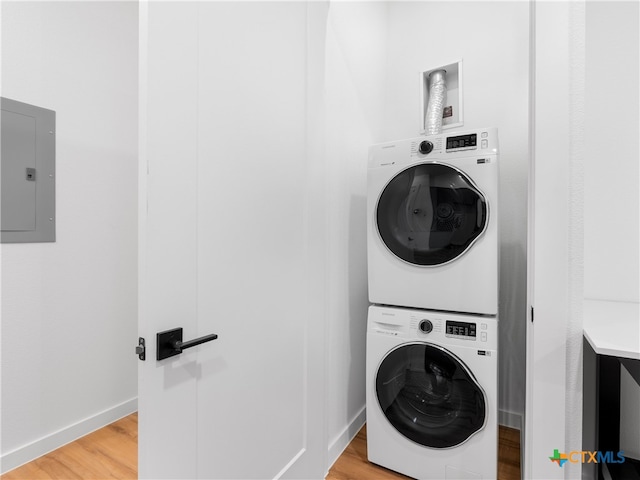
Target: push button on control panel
(483, 336)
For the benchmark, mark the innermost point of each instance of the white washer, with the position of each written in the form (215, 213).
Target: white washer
(432, 222)
(432, 392)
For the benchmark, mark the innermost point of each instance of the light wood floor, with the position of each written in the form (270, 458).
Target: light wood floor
(353, 464)
(112, 453)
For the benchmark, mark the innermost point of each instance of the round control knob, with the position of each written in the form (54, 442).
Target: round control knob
(426, 146)
(426, 326)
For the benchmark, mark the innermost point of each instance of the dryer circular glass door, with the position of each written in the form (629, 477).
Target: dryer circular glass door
(430, 214)
(429, 396)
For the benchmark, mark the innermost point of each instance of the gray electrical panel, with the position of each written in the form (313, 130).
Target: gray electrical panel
(27, 172)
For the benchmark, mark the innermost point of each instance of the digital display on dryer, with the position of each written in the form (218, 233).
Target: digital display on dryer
(461, 329)
(462, 141)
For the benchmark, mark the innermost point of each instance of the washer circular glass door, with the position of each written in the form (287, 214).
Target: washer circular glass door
(429, 396)
(430, 214)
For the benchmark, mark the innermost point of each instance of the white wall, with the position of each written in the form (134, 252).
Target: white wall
(492, 39)
(611, 171)
(355, 55)
(69, 307)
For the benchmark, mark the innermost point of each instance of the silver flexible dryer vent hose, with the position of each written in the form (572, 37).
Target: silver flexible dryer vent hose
(437, 99)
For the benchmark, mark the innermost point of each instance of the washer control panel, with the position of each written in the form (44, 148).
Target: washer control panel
(432, 326)
(464, 330)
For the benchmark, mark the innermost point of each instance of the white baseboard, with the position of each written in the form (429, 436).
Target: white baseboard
(510, 419)
(340, 442)
(48, 443)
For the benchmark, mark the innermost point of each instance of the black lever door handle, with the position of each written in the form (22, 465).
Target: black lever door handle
(169, 343)
(192, 343)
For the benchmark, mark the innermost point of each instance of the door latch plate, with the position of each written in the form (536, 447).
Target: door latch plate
(141, 349)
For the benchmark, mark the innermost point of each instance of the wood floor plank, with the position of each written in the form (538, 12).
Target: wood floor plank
(112, 453)
(509, 454)
(353, 463)
(108, 453)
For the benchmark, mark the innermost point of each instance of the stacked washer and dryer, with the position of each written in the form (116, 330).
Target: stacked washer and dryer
(432, 335)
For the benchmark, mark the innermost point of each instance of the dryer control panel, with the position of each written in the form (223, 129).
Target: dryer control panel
(480, 143)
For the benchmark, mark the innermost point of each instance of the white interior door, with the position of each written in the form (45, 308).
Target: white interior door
(226, 243)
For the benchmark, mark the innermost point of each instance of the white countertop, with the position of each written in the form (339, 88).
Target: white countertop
(613, 328)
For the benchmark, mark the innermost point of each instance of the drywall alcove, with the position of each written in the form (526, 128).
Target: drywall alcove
(453, 111)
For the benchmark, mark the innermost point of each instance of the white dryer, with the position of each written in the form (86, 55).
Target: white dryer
(432, 222)
(432, 393)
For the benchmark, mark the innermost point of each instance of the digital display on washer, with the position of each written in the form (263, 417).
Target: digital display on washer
(461, 329)
(462, 141)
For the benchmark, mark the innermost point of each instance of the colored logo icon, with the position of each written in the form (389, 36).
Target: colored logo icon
(559, 458)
